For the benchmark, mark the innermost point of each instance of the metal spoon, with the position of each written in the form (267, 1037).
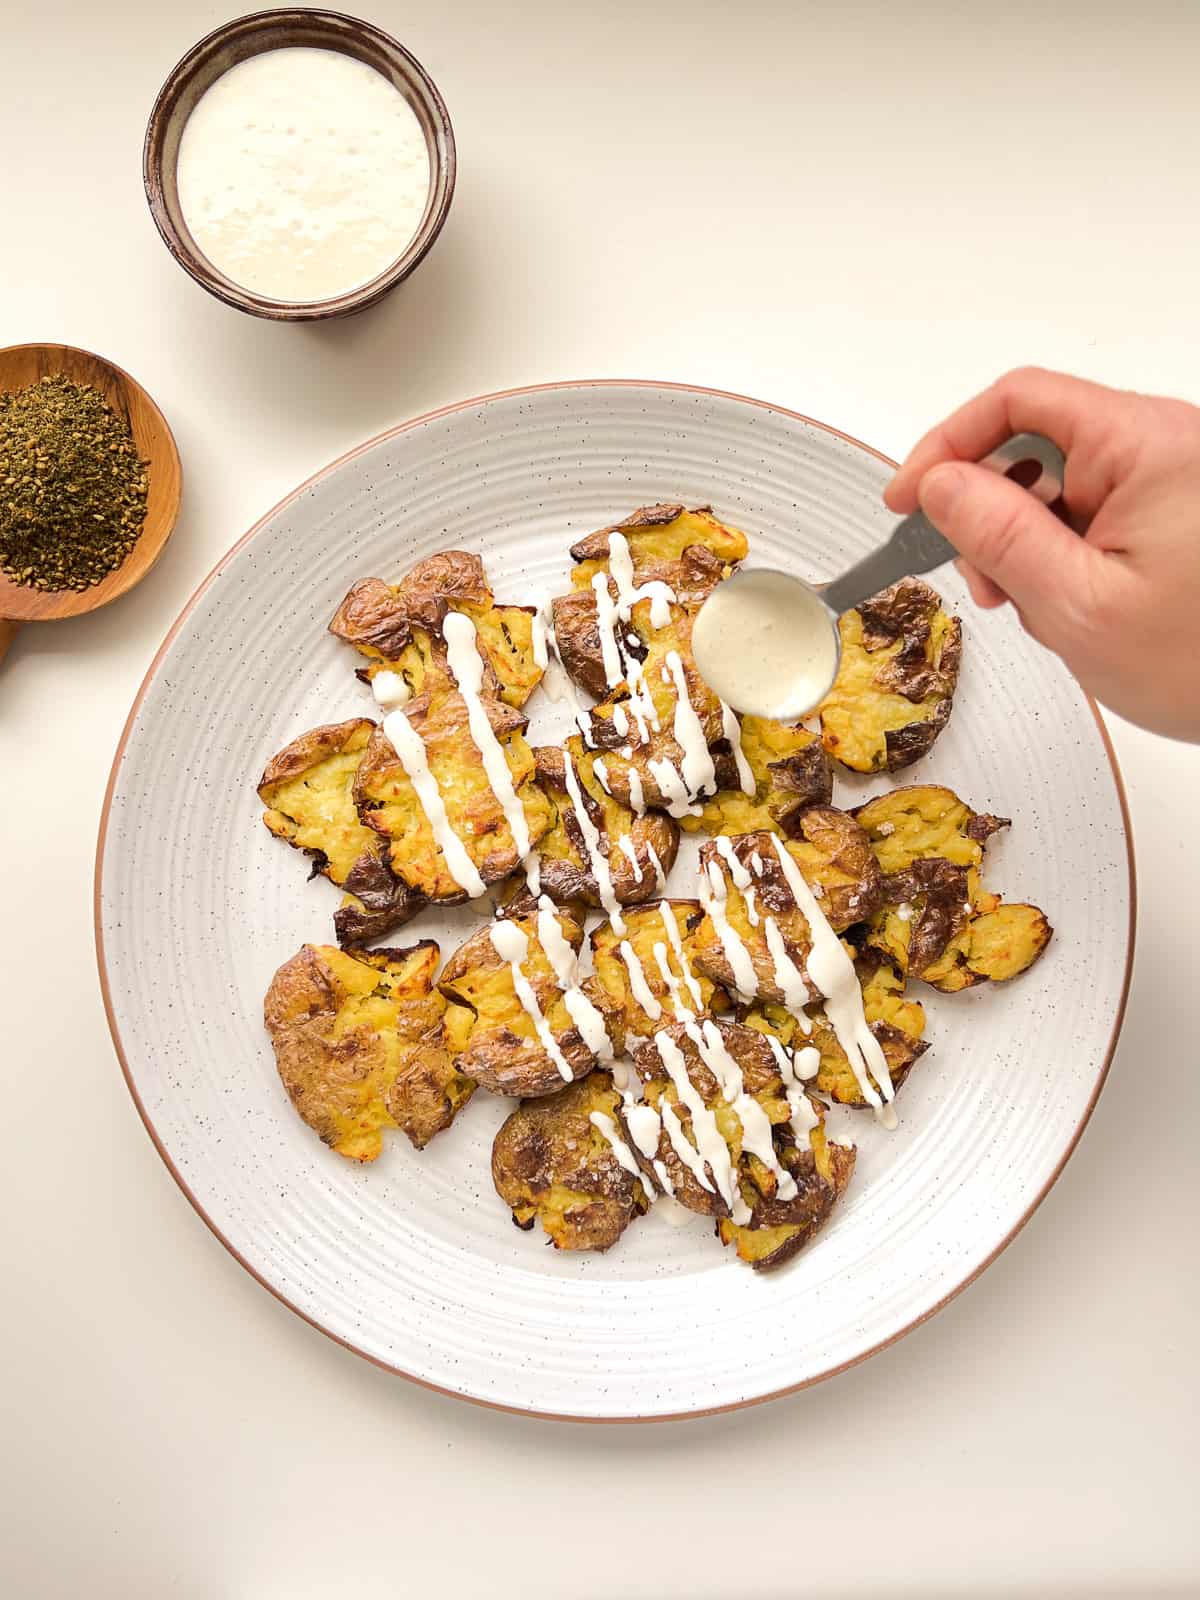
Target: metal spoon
(805, 662)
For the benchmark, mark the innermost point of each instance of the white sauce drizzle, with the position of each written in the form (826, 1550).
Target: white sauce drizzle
(710, 1145)
(620, 719)
(606, 619)
(410, 749)
(674, 988)
(803, 1118)
(637, 795)
(660, 876)
(591, 839)
(699, 773)
(832, 973)
(672, 787)
(512, 945)
(607, 1128)
(626, 845)
(713, 896)
(466, 663)
(788, 977)
(739, 873)
(586, 1017)
(756, 1125)
(732, 729)
(391, 691)
(667, 916)
(641, 991)
(601, 772)
(533, 872)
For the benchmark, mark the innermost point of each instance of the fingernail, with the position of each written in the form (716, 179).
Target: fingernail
(940, 488)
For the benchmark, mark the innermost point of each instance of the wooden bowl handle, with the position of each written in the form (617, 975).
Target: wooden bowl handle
(8, 632)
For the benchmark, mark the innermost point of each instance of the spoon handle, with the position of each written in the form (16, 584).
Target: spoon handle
(915, 544)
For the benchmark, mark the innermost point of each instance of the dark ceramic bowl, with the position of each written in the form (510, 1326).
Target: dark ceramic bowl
(273, 30)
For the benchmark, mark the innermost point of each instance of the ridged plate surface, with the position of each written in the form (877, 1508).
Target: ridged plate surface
(413, 1261)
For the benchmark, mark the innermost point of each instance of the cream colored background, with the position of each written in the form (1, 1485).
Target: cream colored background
(864, 212)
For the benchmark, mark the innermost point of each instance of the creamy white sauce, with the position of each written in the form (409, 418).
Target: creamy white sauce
(675, 940)
(756, 1125)
(767, 644)
(410, 750)
(737, 871)
(466, 663)
(607, 1128)
(606, 619)
(637, 795)
(674, 986)
(512, 945)
(533, 872)
(591, 840)
(391, 691)
(672, 788)
(586, 1017)
(601, 774)
(710, 1148)
(698, 771)
(732, 729)
(627, 847)
(832, 973)
(788, 977)
(620, 720)
(302, 173)
(641, 991)
(660, 876)
(713, 897)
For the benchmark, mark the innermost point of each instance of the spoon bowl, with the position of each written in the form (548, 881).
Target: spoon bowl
(24, 364)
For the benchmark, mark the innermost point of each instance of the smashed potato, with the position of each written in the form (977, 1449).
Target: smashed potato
(360, 1047)
(835, 859)
(895, 685)
(646, 975)
(388, 801)
(898, 1024)
(790, 772)
(552, 1164)
(779, 1230)
(493, 1034)
(308, 789)
(937, 921)
(399, 627)
(639, 850)
(692, 1181)
(689, 551)
(645, 762)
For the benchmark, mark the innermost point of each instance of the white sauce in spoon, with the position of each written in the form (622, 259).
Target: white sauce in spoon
(794, 657)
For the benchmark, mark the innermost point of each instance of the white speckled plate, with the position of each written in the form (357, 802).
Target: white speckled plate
(413, 1261)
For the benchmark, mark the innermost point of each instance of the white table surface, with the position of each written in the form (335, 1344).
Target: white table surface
(864, 212)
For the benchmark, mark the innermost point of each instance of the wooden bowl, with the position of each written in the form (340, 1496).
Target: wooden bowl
(23, 364)
(274, 30)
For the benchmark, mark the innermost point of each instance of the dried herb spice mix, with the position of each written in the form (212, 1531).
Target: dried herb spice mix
(72, 486)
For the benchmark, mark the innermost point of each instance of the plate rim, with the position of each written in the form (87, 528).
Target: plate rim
(156, 1140)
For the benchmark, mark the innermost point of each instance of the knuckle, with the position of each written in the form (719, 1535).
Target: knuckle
(1020, 378)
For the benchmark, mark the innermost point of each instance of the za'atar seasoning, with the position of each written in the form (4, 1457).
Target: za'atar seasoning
(72, 486)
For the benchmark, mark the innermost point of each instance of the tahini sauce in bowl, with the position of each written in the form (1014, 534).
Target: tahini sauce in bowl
(302, 174)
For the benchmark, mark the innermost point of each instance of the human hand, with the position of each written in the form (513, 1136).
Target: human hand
(1120, 605)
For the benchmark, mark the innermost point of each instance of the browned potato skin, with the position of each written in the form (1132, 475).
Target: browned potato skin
(495, 1054)
(608, 988)
(692, 574)
(441, 720)
(377, 902)
(760, 1074)
(778, 1231)
(957, 934)
(342, 1084)
(784, 788)
(550, 1164)
(834, 856)
(661, 745)
(382, 621)
(568, 877)
(924, 671)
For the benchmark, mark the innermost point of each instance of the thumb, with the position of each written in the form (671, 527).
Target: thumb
(1013, 539)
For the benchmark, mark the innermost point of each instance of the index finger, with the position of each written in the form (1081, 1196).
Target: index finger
(1070, 411)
